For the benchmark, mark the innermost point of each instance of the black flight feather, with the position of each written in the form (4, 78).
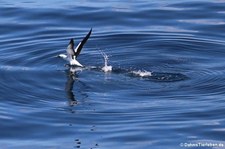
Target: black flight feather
(81, 44)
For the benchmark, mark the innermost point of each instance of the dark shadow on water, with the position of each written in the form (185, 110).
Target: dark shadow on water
(69, 87)
(73, 78)
(162, 77)
(154, 77)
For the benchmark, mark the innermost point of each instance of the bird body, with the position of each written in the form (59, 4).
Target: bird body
(72, 53)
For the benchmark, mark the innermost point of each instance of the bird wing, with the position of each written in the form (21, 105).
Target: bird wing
(70, 49)
(81, 44)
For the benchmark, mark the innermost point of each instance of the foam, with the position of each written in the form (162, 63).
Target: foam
(142, 73)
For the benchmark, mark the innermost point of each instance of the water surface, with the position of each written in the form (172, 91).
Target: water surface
(180, 43)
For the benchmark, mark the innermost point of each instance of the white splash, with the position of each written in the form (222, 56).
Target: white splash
(106, 68)
(142, 73)
(76, 69)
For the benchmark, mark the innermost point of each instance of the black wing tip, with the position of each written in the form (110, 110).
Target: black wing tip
(88, 35)
(90, 31)
(71, 41)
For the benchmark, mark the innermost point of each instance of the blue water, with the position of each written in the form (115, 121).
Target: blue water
(180, 43)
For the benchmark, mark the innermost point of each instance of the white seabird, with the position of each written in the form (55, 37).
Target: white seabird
(72, 53)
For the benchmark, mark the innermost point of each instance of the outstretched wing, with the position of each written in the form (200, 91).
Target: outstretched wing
(70, 49)
(81, 44)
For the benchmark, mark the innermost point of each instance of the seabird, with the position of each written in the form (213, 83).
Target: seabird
(72, 53)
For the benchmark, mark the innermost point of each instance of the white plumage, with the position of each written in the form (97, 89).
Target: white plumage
(72, 53)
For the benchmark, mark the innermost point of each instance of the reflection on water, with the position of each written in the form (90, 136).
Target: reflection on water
(71, 78)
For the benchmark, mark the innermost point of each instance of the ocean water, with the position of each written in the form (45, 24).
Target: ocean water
(166, 88)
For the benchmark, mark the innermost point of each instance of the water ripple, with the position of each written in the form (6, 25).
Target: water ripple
(166, 81)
